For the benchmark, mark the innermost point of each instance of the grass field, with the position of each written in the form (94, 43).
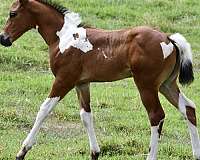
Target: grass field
(121, 121)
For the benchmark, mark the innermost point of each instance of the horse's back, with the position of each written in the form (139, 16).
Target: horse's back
(122, 53)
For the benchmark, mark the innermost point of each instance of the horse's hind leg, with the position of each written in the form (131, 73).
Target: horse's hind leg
(149, 96)
(187, 108)
(83, 93)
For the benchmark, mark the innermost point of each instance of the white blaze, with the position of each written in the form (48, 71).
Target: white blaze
(167, 49)
(72, 35)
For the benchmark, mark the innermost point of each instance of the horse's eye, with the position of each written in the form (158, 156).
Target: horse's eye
(13, 14)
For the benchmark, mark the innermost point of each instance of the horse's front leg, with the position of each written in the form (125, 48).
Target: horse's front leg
(45, 109)
(58, 91)
(83, 92)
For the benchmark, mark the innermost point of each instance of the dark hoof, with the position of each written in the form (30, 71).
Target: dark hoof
(20, 158)
(21, 155)
(94, 156)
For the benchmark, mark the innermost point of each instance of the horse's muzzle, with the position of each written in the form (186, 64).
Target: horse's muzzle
(5, 40)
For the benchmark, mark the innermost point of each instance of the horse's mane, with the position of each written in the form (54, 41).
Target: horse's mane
(57, 6)
(61, 9)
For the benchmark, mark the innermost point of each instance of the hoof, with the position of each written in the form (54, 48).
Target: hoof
(20, 158)
(21, 155)
(94, 156)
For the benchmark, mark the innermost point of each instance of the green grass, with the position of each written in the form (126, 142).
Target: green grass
(121, 121)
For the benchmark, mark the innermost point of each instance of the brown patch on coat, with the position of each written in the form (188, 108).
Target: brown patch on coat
(191, 115)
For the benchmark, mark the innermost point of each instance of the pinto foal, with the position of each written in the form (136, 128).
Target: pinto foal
(80, 55)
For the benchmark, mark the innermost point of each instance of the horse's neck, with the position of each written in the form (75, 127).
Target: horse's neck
(49, 32)
(48, 24)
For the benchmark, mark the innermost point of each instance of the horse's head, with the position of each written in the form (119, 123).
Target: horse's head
(20, 20)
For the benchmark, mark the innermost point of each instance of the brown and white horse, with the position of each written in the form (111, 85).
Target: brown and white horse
(80, 55)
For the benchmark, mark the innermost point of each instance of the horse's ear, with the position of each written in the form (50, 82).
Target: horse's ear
(23, 2)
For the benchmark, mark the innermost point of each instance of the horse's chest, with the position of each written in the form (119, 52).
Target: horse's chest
(65, 64)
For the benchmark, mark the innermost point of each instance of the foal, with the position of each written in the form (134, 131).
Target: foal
(80, 55)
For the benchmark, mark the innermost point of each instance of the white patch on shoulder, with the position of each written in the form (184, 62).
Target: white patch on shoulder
(167, 49)
(72, 35)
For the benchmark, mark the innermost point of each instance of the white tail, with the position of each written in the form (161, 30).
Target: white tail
(186, 68)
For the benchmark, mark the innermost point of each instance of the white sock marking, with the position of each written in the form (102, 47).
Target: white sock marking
(87, 120)
(194, 140)
(154, 142)
(183, 102)
(45, 109)
(69, 29)
(167, 49)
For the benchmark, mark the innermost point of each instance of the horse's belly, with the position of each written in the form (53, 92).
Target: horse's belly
(109, 75)
(105, 75)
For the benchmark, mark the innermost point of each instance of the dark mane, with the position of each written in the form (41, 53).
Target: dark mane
(61, 9)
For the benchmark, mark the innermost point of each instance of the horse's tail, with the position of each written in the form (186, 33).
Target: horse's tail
(186, 75)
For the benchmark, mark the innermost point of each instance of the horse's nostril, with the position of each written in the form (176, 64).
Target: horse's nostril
(5, 40)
